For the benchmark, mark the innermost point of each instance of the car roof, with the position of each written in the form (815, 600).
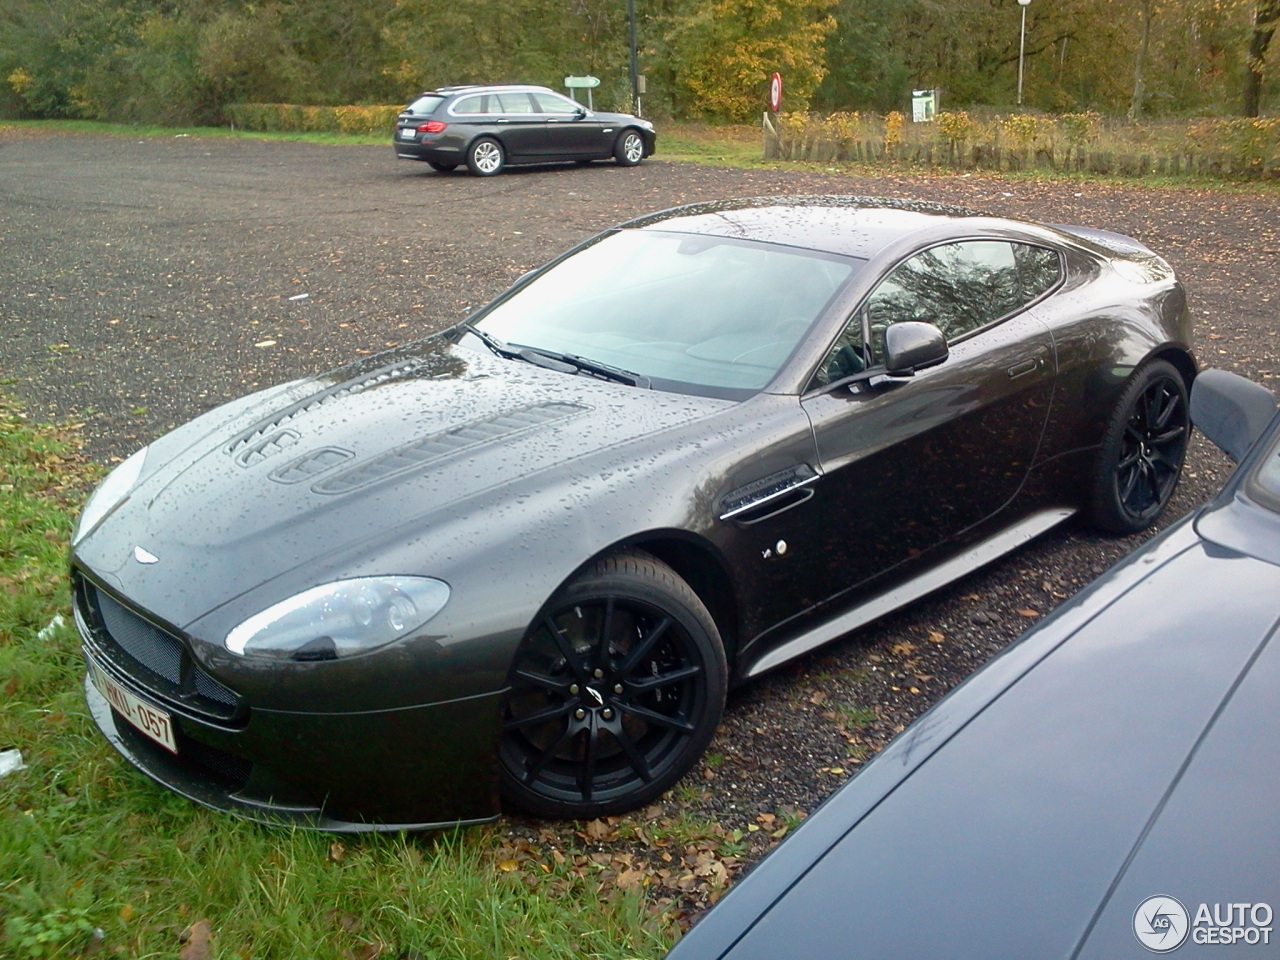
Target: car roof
(846, 225)
(485, 87)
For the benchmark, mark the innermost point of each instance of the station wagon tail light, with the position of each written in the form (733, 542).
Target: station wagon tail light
(432, 126)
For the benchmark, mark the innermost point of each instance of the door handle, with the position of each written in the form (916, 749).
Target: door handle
(1023, 368)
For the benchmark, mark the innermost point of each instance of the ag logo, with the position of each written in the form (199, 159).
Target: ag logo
(1161, 924)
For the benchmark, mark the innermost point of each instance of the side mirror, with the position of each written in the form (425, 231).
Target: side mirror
(1231, 411)
(580, 113)
(912, 345)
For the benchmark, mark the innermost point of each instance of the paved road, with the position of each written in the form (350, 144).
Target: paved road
(137, 276)
(142, 281)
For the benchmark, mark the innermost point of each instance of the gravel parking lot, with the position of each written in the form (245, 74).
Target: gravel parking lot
(145, 280)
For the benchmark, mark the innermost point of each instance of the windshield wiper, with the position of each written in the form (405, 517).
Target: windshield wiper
(596, 368)
(564, 362)
(514, 352)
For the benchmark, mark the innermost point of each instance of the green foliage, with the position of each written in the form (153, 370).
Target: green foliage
(724, 52)
(1239, 148)
(1079, 129)
(1246, 143)
(290, 117)
(49, 934)
(183, 61)
(868, 65)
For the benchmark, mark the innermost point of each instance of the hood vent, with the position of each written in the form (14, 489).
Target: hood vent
(261, 433)
(312, 465)
(463, 438)
(253, 453)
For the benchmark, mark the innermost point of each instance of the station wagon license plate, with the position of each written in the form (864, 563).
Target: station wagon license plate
(152, 721)
(406, 134)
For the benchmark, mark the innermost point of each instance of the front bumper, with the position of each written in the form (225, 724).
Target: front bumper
(414, 769)
(416, 766)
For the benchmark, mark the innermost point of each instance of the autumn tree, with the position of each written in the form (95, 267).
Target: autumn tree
(722, 53)
(1265, 19)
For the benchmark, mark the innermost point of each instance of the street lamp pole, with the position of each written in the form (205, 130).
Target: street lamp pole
(635, 70)
(1022, 46)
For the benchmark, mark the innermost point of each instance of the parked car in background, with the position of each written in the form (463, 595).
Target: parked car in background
(531, 553)
(1105, 788)
(489, 127)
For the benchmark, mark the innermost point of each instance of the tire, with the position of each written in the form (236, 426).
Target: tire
(1142, 450)
(615, 692)
(628, 150)
(485, 157)
(441, 167)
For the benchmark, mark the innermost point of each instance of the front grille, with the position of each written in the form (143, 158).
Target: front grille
(154, 649)
(155, 659)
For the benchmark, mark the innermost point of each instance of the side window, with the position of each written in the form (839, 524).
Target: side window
(848, 356)
(468, 105)
(511, 103)
(958, 287)
(550, 103)
(1038, 267)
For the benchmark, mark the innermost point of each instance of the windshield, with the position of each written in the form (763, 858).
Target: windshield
(693, 313)
(690, 312)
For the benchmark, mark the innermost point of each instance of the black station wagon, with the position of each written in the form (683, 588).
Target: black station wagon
(488, 127)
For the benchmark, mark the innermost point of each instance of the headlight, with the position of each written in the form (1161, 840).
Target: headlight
(340, 619)
(110, 493)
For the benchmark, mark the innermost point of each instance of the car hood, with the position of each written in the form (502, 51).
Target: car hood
(314, 468)
(1126, 749)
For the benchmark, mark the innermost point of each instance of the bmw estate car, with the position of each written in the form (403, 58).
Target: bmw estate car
(526, 557)
(489, 127)
(1104, 789)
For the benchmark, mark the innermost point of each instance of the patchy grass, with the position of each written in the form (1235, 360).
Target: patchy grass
(96, 859)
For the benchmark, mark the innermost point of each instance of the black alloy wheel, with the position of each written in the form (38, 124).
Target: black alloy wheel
(629, 149)
(485, 157)
(616, 691)
(1142, 451)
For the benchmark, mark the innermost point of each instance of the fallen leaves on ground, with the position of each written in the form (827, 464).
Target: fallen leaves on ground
(197, 941)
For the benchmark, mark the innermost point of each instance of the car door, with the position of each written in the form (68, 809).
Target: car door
(516, 121)
(570, 131)
(910, 462)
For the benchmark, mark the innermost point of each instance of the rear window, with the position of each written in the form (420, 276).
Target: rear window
(425, 104)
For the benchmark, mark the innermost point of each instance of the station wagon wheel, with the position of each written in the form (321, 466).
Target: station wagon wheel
(615, 692)
(629, 150)
(441, 167)
(485, 157)
(1142, 451)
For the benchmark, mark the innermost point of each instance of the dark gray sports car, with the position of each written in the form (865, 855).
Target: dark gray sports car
(530, 554)
(1105, 788)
